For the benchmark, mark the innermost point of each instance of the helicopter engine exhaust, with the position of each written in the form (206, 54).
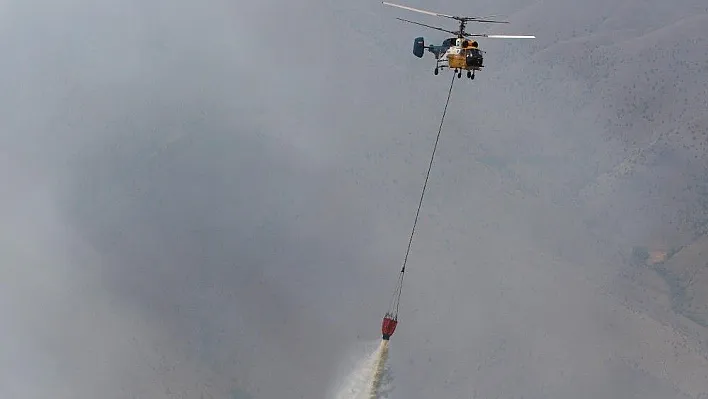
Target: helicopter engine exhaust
(418, 47)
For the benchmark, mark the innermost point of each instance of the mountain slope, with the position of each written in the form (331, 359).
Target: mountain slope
(245, 179)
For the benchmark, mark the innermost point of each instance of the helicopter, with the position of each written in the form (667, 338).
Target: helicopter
(459, 52)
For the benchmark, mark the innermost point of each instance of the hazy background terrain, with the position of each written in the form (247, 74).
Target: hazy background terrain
(214, 198)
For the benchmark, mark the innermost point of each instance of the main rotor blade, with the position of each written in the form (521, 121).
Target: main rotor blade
(502, 36)
(474, 19)
(419, 10)
(510, 36)
(428, 26)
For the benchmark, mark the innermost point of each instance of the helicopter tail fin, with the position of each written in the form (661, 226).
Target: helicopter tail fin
(418, 47)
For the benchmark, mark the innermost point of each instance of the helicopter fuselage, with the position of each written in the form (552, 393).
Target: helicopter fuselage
(470, 59)
(454, 53)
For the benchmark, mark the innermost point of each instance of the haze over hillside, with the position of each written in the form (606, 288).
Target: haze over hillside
(210, 198)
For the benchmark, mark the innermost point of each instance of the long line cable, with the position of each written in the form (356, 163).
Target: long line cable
(420, 203)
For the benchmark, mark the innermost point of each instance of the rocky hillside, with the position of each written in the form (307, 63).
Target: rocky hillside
(687, 273)
(650, 96)
(615, 103)
(246, 210)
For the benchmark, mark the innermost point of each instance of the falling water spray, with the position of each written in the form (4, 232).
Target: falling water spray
(378, 370)
(369, 379)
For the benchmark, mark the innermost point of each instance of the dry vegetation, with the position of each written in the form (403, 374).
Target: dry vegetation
(625, 146)
(633, 78)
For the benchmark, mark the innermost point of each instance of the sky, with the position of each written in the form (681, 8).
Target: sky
(217, 196)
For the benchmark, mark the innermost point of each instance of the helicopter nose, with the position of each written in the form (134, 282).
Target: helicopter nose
(473, 60)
